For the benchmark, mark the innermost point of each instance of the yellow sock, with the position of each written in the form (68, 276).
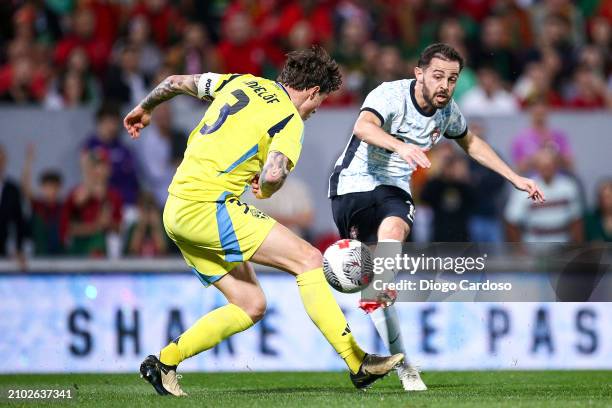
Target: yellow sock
(327, 316)
(206, 333)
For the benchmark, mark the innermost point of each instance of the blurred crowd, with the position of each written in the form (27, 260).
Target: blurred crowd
(67, 53)
(459, 200)
(105, 54)
(115, 210)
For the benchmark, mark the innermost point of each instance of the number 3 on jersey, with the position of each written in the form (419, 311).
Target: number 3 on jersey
(226, 110)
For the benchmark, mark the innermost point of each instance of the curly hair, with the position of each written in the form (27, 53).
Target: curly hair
(309, 68)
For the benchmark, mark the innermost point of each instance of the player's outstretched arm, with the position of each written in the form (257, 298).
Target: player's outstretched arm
(273, 174)
(482, 152)
(368, 128)
(140, 116)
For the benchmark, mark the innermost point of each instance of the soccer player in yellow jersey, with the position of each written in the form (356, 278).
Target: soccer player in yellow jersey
(250, 135)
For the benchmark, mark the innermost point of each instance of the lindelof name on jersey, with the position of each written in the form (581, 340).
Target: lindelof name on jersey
(262, 92)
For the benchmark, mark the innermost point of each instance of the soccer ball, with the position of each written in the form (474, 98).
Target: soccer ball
(347, 265)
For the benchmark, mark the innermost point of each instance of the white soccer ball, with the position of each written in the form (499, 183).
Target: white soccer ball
(347, 265)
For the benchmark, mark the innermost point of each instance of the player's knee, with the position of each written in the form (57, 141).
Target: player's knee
(396, 230)
(254, 305)
(311, 259)
(257, 311)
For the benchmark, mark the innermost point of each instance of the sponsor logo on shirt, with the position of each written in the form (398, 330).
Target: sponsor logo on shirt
(207, 87)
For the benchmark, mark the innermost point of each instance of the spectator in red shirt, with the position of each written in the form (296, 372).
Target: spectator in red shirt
(605, 11)
(20, 83)
(240, 51)
(477, 9)
(536, 84)
(301, 36)
(517, 22)
(92, 209)
(108, 18)
(165, 21)
(83, 27)
(22, 79)
(35, 20)
(265, 15)
(316, 13)
(146, 237)
(46, 207)
(590, 91)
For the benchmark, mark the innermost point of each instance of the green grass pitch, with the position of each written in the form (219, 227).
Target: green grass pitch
(250, 389)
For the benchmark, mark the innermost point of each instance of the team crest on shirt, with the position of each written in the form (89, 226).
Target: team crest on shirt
(435, 135)
(257, 213)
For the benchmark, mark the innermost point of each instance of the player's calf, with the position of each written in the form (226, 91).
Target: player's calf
(241, 288)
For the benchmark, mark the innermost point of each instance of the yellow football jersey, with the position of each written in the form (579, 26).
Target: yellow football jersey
(248, 117)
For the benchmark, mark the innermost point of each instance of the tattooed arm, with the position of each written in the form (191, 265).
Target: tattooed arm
(174, 85)
(273, 174)
(169, 88)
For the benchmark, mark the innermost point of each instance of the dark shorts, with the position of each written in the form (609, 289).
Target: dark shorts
(358, 215)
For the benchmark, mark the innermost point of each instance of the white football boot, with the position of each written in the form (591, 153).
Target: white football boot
(410, 379)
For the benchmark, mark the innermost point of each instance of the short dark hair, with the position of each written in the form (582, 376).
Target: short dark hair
(50, 176)
(108, 109)
(309, 68)
(442, 51)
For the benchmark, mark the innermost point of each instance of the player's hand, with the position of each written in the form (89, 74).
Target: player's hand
(528, 185)
(136, 120)
(255, 186)
(414, 155)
